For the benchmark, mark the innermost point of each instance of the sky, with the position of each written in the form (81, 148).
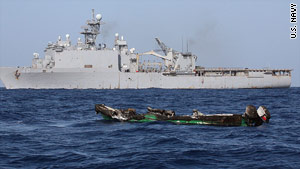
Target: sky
(222, 33)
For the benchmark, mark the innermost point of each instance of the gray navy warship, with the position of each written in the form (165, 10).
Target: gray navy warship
(89, 65)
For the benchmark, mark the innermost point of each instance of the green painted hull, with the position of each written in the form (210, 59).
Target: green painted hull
(153, 117)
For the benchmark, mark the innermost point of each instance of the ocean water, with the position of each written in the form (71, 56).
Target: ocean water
(59, 129)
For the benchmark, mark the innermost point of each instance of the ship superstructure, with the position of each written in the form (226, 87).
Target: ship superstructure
(87, 64)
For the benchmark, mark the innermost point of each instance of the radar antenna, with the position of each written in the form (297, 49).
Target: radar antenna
(92, 30)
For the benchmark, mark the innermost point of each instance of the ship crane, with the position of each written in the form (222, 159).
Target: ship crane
(167, 59)
(156, 54)
(170, 58)
(164, 47)
(171, 54)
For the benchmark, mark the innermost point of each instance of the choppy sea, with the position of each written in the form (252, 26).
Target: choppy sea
(59, 129)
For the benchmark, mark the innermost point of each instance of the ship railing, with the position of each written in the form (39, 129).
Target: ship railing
(240, 71)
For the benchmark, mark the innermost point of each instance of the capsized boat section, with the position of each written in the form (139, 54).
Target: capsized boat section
(251, 117)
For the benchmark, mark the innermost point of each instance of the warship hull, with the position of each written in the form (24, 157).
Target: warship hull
(77, 78)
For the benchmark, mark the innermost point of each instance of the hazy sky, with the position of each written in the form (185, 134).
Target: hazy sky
(222, 33)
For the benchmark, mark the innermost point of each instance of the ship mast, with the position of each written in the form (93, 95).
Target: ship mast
(91, 30)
